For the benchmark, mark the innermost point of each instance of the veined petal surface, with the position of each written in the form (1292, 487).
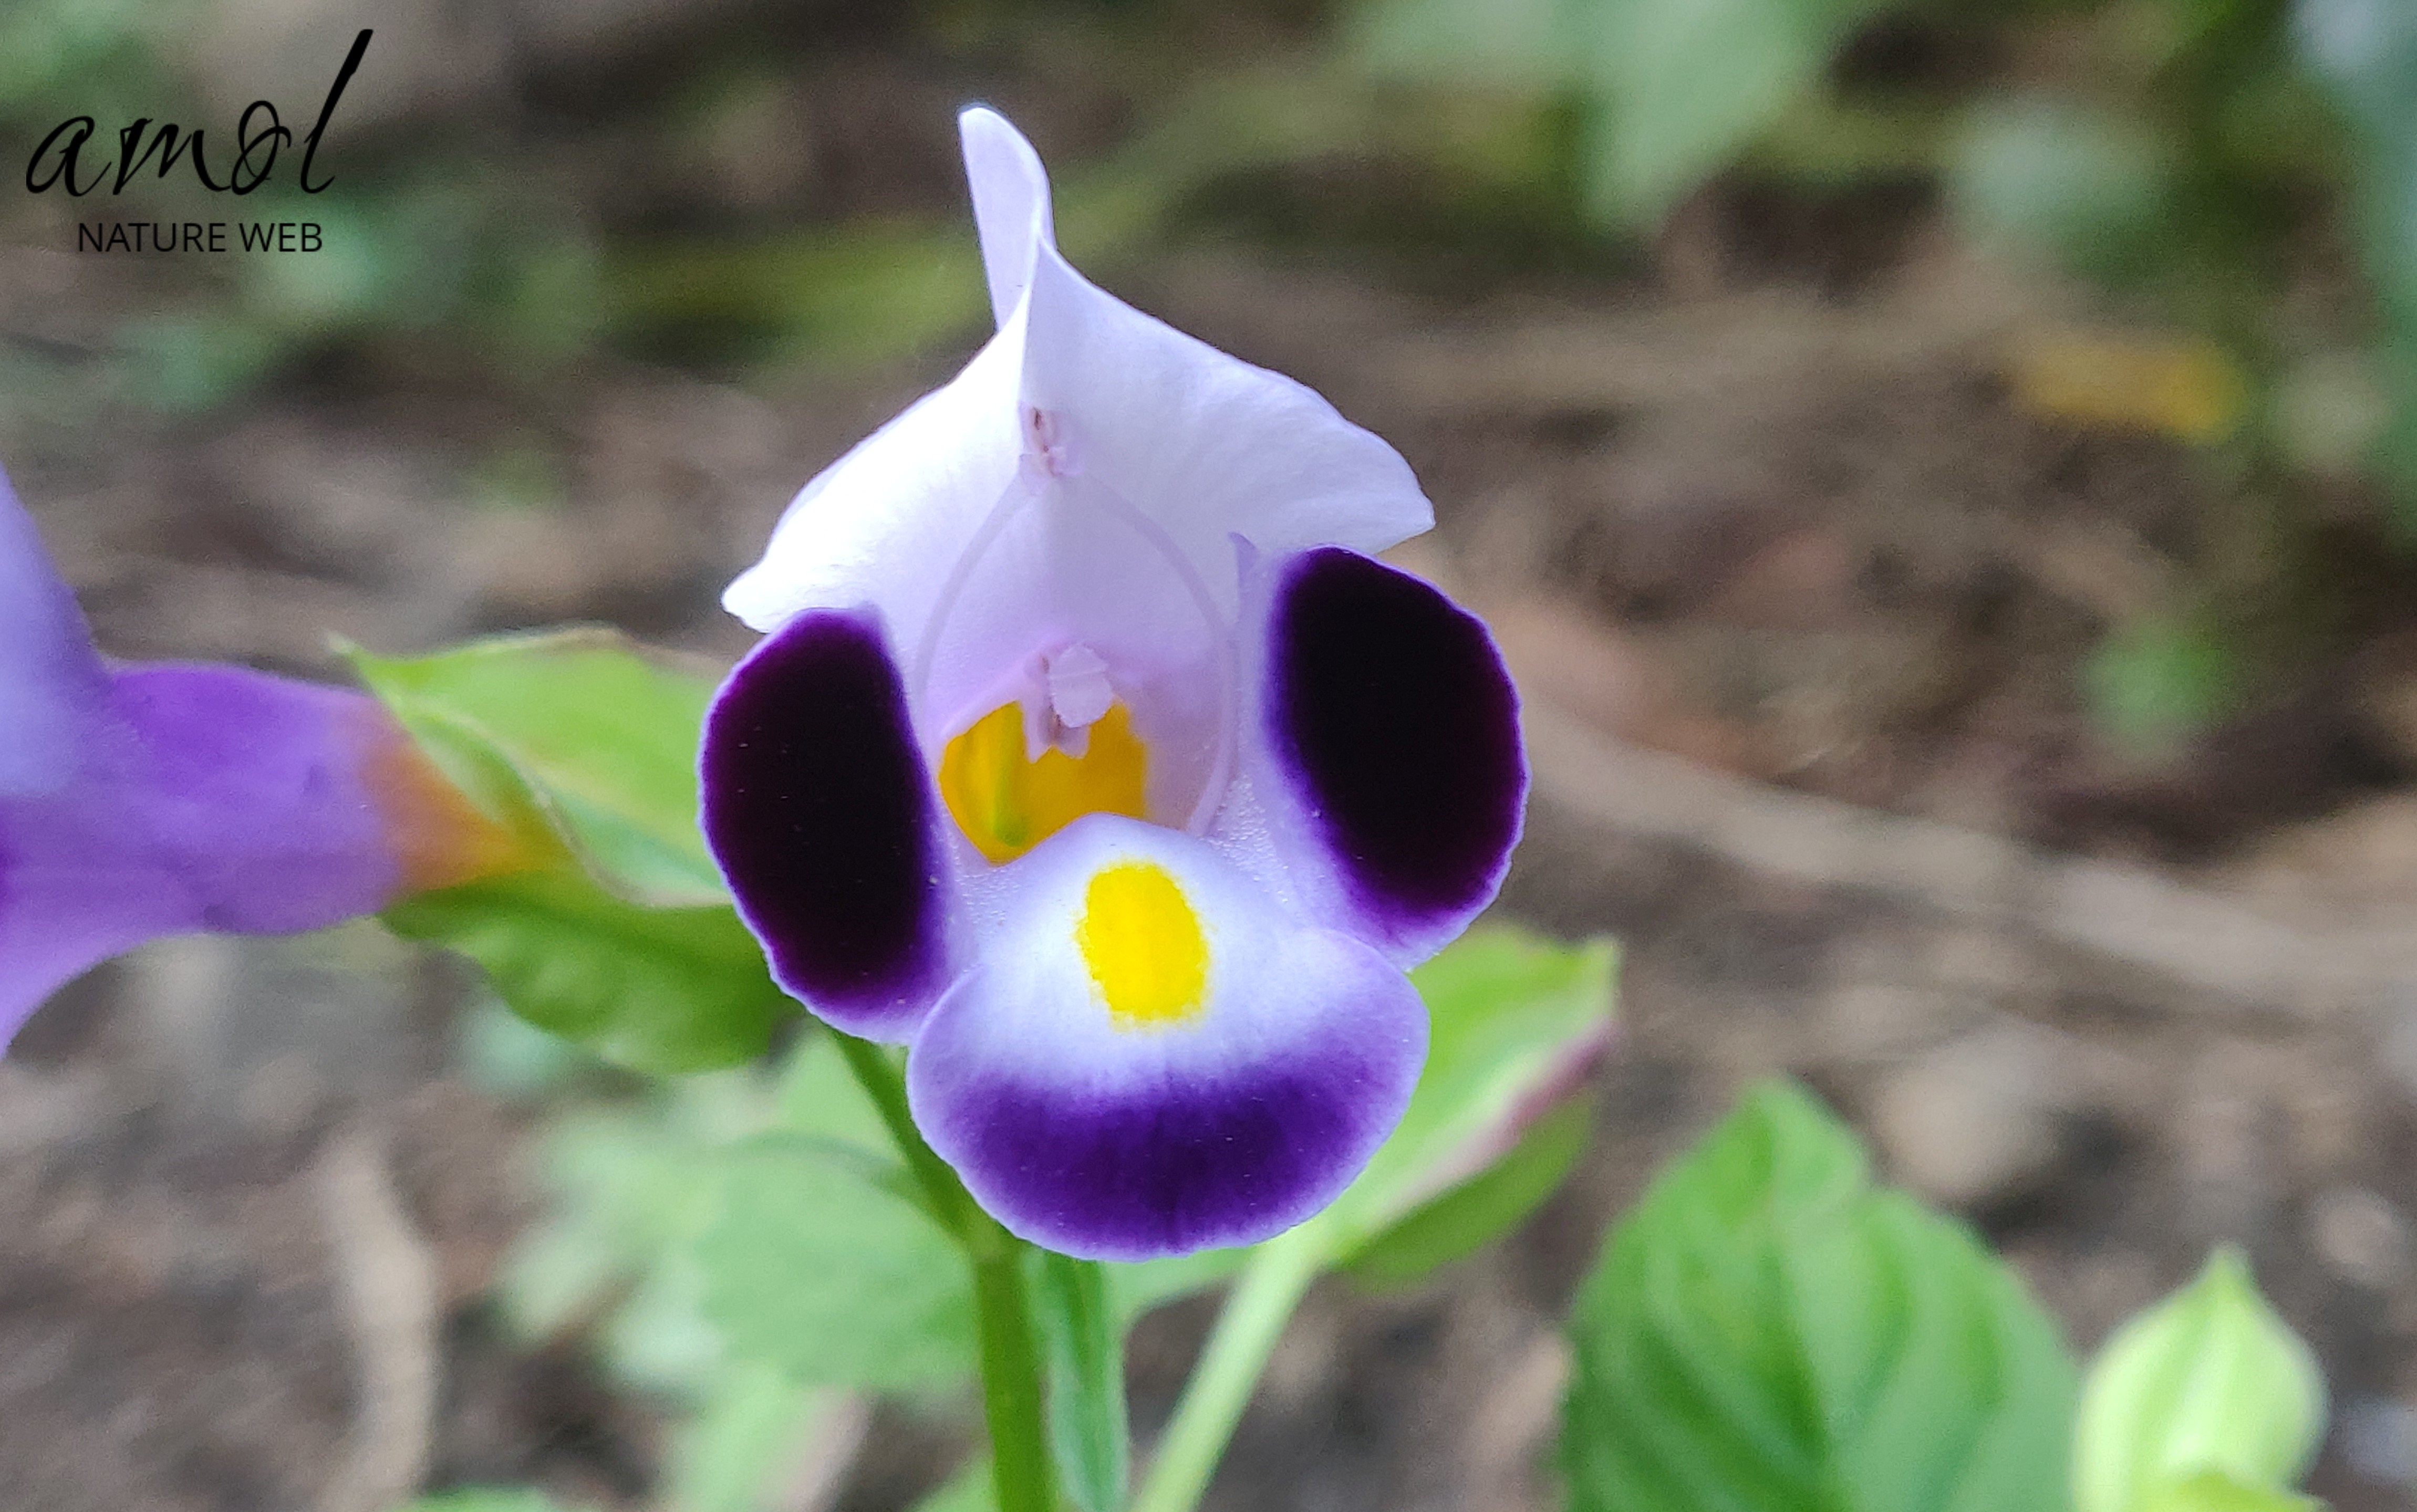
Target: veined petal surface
(1150, 1057)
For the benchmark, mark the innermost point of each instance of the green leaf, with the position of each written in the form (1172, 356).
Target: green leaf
(1464, 1220)
(1766, 1329)
(485, 1498)
(602, 738)
(968, 1491)
(2209, 1379)
(727, 1456)
(1688, 83)
(1080, 1333)
(661, 990)
(2065, 185)
(616, 935)
(1533, 45)
(2213, 1492)
(1515, 1023)
(1138, 1288)
(819, 1097)
(816, 1265)
(2155, 682)
(1673, 90)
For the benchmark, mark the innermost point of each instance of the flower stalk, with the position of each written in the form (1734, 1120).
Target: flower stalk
(1014, 1394)
(1254, 1315)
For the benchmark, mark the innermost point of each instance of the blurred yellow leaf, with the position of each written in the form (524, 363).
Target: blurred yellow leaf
(2182, 386)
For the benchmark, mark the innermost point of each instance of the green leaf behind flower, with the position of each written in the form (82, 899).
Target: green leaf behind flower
(1083, 1340)
(663, 991)
(1516, 1023)
(815, 1264)
(601, 737)
(1768, 1329)
(616, 934)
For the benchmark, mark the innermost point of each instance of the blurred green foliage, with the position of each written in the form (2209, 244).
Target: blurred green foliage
(2241, 170)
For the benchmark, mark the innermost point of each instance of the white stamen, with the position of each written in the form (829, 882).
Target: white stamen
(1079, 692)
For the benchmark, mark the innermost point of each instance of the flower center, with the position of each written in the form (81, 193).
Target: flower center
(1143, 944)
(1008, 801)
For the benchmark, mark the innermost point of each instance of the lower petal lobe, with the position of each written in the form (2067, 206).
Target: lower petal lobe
(820, 812)
(1391, 714)
(1152, 1057)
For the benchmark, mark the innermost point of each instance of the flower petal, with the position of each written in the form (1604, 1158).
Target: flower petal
(1382, 746)
(51, 681)
(1152, 1058)
(202, 798)
(883, 524)
(1078, 481)
(819, 808)
(1204, 446)
(1011, 211)
(254, 791)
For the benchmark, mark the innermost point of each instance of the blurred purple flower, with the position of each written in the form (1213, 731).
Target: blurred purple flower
(140, 801)
(1088, 755)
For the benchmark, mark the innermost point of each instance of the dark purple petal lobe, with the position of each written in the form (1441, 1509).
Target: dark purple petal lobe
(1391, 707)
(818, 808)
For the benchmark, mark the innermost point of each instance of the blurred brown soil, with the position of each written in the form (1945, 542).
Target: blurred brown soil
(1769, 509)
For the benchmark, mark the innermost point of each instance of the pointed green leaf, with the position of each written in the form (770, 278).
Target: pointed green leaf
(2209, 1379)
(617, 935)
(1767, 1329)
(2213, 1492)
(968, 1491)
(1464, 1220)
(815, 1264)
(729, 1457)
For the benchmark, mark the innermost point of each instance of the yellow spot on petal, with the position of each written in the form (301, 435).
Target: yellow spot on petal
(1143, 944)
(1007, 805)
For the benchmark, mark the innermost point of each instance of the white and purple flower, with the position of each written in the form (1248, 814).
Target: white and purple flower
(148, 800)
(1089, 755)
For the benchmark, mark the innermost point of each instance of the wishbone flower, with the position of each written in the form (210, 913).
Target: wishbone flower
(148, 800)
(1088, 755)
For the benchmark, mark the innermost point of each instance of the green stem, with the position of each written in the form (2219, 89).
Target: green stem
(880, 1078)
(1022, 1474)
(1262, 1301)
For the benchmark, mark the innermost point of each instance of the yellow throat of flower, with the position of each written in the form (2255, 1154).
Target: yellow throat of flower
(1007, 805)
